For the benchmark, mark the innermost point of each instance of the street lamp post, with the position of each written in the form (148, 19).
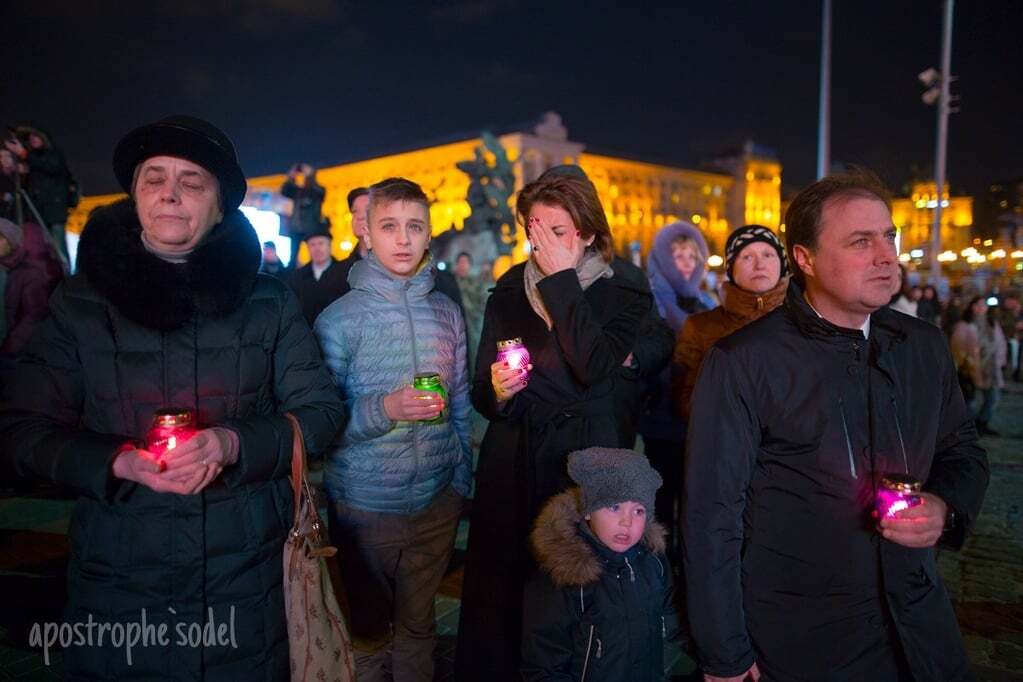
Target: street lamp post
(939, 83)
(824, 106)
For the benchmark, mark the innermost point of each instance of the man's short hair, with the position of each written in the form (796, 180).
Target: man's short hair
(464, 253)
(355, 194)
(397, 189)
(803, 217)
(269, 245)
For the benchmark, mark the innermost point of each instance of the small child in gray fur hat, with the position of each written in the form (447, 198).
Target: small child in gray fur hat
(601, 605)
(617, 493)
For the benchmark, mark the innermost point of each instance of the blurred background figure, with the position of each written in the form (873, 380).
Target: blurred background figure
(1010, 317)
(49, 184)
(307, 205)
(474, 301)
(902, 299)
(33, 269)
(928, 308)
(358, 205)
(979, 350)
(319, 282)
(271, 264)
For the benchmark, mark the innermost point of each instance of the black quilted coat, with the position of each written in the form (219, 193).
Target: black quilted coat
(129, 334)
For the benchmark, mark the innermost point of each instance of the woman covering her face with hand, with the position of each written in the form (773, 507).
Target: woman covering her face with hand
(577, 312)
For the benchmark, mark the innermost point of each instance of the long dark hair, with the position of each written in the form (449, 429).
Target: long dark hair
(968, 315)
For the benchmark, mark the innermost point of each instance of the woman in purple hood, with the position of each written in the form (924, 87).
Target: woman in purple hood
(33, 272)
(676, 266)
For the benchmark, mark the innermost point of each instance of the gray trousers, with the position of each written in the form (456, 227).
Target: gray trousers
(392, 565)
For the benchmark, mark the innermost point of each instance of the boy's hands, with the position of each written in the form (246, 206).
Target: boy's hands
(410, 405)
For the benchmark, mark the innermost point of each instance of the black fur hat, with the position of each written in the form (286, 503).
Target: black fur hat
(188, 138)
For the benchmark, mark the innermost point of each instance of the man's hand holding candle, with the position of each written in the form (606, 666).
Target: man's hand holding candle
(918, 526)
(143, 468)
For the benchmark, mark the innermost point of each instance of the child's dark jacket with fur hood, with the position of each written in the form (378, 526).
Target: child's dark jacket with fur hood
(591, 613)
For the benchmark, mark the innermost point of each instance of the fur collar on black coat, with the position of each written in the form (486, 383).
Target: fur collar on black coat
(215, 281)
(562, 552)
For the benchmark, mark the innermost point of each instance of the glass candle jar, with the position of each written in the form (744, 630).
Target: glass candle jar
(514, 353)
(896, 492)
(171, 427)
(430, 381)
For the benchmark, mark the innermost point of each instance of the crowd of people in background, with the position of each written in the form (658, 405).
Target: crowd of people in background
(742, 391)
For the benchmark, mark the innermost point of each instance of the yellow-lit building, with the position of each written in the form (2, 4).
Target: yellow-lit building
(639, 197)
(914, 218)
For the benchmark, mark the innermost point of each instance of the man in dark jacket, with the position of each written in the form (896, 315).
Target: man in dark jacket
(321, 281)
(358, 206)
(799, 414)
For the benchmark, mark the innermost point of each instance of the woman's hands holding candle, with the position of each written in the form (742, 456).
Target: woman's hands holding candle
(918, 526)
(202, 457)
(408, 404)
(143, 468)
(508, 380)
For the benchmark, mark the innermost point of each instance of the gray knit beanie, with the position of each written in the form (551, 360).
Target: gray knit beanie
(609, 476)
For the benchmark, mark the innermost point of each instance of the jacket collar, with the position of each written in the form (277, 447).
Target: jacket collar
(369, 275)
(215, 281)
(567, 555)
(749, 306)
(886, 331)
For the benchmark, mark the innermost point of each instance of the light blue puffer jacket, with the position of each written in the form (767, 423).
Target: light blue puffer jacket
(375, 339)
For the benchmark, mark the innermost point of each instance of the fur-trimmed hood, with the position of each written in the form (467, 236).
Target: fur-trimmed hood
(215, 281)
(564, 554)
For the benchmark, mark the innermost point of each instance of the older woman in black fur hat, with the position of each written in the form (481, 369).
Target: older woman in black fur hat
(168, 310)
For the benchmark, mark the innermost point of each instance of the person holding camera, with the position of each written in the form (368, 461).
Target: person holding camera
(50, 185)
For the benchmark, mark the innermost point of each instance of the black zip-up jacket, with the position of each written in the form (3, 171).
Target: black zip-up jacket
(591, 613)
(793, 421)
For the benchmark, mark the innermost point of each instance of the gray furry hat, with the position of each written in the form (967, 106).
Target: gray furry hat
(609, 476)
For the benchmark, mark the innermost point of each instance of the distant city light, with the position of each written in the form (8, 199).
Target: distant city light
(992, 300)
(917, 253)
(268, 228)
(715, 261)
(905, 257)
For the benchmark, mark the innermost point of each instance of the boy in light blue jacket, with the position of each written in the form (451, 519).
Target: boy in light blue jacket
(398, 480)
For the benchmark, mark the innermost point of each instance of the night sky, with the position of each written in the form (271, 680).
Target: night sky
(328, 82)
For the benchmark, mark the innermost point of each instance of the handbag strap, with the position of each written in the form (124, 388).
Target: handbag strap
(298, 465)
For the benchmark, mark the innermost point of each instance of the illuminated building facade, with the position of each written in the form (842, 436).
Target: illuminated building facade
(914, 217)
(638, 197)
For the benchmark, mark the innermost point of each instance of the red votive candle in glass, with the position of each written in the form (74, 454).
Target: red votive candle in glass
(171, 427)
(514, 353)
(896, 492)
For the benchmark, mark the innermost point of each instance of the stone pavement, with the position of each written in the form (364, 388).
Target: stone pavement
(985, 580)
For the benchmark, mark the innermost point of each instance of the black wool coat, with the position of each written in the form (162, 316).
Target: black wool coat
(316, 294)
(793, 421)
(130, 334)
(590, 613)
(568, 405)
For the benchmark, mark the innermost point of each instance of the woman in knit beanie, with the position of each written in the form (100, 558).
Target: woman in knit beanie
(757, 272)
